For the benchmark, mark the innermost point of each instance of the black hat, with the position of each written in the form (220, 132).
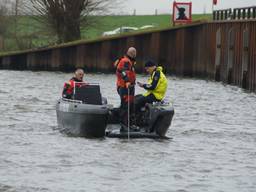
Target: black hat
(182, 9)
(150, 63)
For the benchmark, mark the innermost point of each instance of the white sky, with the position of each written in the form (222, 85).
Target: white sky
(165, 6)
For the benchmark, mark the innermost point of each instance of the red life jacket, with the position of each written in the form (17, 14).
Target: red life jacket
(125, 65)
(68, 89)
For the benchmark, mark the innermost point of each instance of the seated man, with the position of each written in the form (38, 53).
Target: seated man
(76, 81)
(156, 86)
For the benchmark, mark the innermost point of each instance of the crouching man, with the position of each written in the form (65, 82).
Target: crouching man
(155, 87)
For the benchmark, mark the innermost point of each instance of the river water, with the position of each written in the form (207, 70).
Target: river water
(213, 145)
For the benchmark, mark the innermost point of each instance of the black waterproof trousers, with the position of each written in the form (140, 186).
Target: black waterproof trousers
(127, 99)
(140, 101)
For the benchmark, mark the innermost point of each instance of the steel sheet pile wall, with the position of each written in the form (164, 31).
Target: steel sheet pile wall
(224, 51)
(172, 48)
(231, 52)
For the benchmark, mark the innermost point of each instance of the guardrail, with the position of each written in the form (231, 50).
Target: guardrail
(222, 14)
(244, 13)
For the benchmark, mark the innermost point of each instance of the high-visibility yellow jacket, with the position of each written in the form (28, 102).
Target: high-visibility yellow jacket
(157, 84)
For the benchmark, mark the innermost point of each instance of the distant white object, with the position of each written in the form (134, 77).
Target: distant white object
(119, 30)
(147, 26)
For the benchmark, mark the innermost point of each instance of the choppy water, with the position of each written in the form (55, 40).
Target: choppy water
(213, 145)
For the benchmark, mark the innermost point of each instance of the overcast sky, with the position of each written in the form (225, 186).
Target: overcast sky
(165, 6)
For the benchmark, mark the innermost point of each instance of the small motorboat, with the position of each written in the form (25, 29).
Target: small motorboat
(88, 114)
(85, 115)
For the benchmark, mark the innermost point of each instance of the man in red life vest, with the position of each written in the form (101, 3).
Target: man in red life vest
(126, 78)
(76, 81)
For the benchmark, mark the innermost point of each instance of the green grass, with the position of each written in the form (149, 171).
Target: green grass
(110, 23)
(32, 34)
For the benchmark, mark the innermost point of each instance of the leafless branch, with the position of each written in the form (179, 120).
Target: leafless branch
(65, 17)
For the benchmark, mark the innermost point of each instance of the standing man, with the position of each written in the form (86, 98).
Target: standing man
(76, 81)
(126, 78)
(156, 86)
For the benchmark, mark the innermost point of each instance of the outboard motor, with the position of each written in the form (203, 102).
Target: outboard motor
(156, 117)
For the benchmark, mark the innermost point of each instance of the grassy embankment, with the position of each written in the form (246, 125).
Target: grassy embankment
(31, 34)
(111, 22)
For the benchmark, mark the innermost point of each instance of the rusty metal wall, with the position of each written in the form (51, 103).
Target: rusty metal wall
(240, 50)
(220, 50)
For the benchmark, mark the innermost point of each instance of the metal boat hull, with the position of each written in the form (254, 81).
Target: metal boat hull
(154, 122)
(83, 120)
(96, 121)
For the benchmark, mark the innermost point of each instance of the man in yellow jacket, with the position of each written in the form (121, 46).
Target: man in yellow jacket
(156, 86)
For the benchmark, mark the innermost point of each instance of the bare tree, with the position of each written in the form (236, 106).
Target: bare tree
(66, 17)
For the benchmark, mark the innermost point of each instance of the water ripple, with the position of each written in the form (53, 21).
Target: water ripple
(212, 146)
